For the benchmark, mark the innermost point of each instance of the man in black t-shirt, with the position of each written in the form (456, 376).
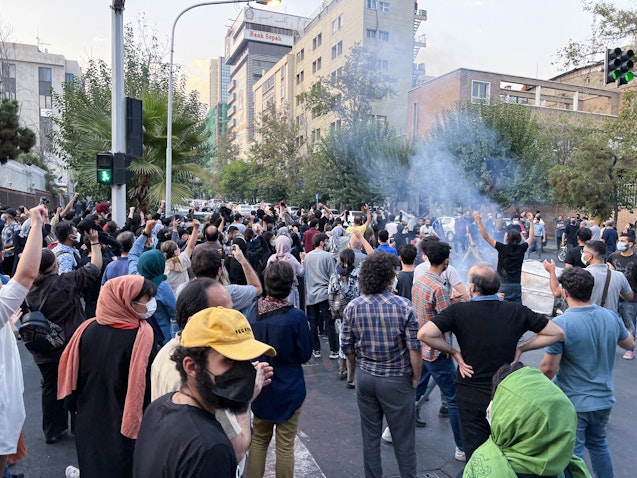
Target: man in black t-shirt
(574, 254)
(179, 435)
(569, 238)
(405, 282)
(488, 331)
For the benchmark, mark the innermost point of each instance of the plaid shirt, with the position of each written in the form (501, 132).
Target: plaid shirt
(381, 329)
(430, 297)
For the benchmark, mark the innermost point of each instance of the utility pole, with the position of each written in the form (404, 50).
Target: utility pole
(118, 107)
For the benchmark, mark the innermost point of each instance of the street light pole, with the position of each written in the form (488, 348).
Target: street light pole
(118, 107)
(169, 125)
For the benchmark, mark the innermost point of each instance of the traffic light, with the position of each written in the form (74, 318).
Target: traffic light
(618, 66)
(104, 164)
(134, 128)
(121, 174)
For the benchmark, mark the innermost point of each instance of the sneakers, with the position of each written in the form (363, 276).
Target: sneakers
(443, 412)
(386, 436)
(333, 355)
(317, 354)
(459, 455)
(72, 472)
(629, 355)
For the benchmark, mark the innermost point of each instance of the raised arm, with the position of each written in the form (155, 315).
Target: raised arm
(251, 276)
(68, 207)
(485, 235)
(366, 245)
(369, 215)
(554, 283)
(529, 240)
(29, 263)
(192, 240)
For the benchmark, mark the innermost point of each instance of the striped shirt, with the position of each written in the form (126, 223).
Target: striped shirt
(380, 329)
(430, 297)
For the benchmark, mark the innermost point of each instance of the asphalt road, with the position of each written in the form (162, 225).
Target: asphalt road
(329, 442)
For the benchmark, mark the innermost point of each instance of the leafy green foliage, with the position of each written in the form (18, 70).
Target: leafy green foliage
(14, 139)
(238, 180)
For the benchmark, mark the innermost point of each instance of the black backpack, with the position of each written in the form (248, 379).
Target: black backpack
(38, 333)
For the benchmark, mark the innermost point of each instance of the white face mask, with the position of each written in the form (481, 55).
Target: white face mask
(77, 238)
(584, 261)
(622, 246)
(151, 307)
(489, 412)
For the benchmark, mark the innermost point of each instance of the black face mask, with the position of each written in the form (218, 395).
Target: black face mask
(231, 390)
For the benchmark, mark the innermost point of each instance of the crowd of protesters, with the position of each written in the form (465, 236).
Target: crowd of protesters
(172, 346)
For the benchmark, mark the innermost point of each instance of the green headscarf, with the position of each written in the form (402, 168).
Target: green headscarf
(151, 266)
(533, 426)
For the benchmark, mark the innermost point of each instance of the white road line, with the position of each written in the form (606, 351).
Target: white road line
(304, 463)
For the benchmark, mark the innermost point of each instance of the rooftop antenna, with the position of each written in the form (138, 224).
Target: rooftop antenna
(40, 42)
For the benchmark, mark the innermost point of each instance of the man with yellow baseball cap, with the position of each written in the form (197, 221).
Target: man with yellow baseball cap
(179, 435)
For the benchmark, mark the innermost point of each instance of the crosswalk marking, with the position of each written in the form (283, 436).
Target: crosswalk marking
(304, 463)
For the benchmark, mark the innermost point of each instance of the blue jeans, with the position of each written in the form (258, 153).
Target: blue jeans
(443, 371)
(628, 312)
(591, 432)
(512, 291)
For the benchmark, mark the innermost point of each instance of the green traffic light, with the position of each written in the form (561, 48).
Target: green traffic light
(615, 75)
(629, 76)
(105, 176)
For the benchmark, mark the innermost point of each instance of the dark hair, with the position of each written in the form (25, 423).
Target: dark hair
(408, 254)
(248, 234)
(514, 237)
(192, 299)
(318, 238)
(377, 272)
(63, 230)
(47, 261)
(631, 237)
(578, 283)
(347, 257)
(126, 239)
(314, 222)
(149, 289)
(199, 355)
(358, 220)
(426, 241)
(485, 279)
(211, 233)
(206, 263)
(502, 373)
(383, 235)
(278, 279)
(112, 227)
(438, 252)
(584, 234)
(598, 248)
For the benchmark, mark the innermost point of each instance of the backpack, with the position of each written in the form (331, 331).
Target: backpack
(38, 333)
(340, 293)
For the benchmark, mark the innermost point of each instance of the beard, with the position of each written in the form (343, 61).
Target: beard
(205, 388)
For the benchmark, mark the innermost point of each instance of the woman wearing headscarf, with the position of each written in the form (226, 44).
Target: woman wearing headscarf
(283, 246)
(235, 270)
(59, 298)
(105, 373)
(533, 427)
(151, 265)
(177, 262)
(278, 406)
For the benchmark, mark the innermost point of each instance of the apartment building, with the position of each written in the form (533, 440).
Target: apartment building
(546, 97)
(217, 119)
(386, 27)
(257, 40)
(29, 75)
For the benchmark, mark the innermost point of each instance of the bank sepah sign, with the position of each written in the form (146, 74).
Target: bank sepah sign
(268, 37)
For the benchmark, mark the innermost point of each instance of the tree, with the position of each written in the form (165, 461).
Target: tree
(238, 181)
(611, 25)
(603, 168)
(275, 150)
(14, 139)
(84, 125)
(495, 148)
(353, 92)
(362, 163)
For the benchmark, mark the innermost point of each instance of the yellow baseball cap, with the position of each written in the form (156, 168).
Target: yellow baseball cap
(225, 330)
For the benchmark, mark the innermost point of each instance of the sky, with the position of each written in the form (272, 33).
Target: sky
(501, 36)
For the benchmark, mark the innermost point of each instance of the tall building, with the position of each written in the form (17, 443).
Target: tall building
(218, 115)
(385, 27)
(257, 40)
(30, 75)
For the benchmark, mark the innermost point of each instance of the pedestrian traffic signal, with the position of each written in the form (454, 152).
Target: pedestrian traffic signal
(618, 66)
(104, 164)
(134, 128)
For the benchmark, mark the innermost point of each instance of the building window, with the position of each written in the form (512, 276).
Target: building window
(383, 6)
(337, 24)
(316, 65)
(317, 41)
(300, 77)
(46, 99)
(480, 91)
(382, 64)
(371, 33)
(337, 49)
(383, 36)
(300, 56)
(8, 81)
(371, 4)
(335, 125)
(414, 121)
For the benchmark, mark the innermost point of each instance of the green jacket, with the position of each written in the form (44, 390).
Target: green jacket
(533, 427)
